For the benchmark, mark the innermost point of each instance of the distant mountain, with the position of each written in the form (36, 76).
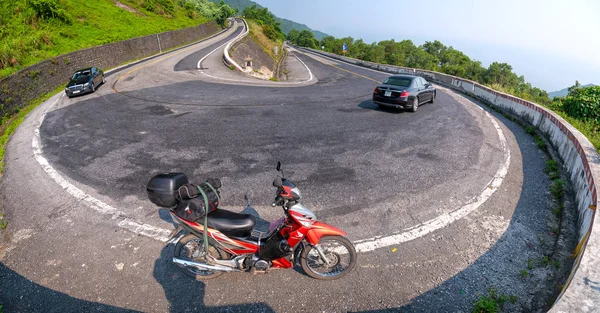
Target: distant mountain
(564, 92)
(286, 25)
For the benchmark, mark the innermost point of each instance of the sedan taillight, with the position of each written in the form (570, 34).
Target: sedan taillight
(404, 94)
(376, 90)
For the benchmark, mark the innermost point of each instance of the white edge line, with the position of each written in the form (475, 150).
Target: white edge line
(219, 47)
(99, 206)
(309, 71)
(446, 218)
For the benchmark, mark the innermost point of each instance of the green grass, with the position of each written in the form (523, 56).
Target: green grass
(557, 188)
(493, 302)
(10, 125)
(26, 38)
(3, 224)
(530, 265)
(552, 169)
(524, 274)
(531, 130)
(557, 211)
(539, 142)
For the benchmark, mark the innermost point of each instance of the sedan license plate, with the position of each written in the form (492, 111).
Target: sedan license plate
(388, 94)
(76, 91)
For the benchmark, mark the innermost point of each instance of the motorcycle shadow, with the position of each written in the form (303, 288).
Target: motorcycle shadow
(186, 294)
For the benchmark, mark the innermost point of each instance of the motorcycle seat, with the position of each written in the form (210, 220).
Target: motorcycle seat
(231, 223)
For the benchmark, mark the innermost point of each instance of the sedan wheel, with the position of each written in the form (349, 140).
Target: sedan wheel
(103, 81)
(415, 104)
(433, 97)
(93, 87)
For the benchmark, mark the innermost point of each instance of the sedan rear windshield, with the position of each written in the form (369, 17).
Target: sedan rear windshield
(398, 81)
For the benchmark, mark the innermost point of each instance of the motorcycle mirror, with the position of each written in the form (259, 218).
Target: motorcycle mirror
(278, 166)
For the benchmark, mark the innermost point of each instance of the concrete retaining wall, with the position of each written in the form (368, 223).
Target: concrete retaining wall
(20, 88)
(581, 160)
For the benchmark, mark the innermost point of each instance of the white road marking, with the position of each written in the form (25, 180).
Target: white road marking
(99, 206)
(219, 47)
(234, 80)
(365, 245)
(447, 218)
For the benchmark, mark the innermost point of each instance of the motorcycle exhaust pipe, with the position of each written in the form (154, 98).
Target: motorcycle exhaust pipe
(204, 266)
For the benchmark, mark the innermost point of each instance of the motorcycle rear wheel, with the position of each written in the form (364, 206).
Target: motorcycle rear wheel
(192, 247)
(338, 250)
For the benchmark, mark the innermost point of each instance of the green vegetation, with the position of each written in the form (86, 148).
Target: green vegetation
(3, 224)
(539, 142)
(552, 169)
(34, 30)
(557, 188)
(9, 125)
(493, 302)
(265, 30)
(266, 20)
(530, 265)
(286, 25)
(583, 103)
(581, 107)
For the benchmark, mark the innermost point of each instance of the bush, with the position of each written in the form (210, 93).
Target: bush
(583, 104)
(49, 9)
(270, 32)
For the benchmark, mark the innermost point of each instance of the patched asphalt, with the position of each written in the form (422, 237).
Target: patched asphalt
(368, 171)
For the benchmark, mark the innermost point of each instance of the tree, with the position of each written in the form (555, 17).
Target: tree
(307, 39)
(434, 48)
(293, 36)
(572, 88)
(584, 104)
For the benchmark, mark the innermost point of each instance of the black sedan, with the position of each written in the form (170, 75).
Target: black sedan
(404, 92)
(84, 81)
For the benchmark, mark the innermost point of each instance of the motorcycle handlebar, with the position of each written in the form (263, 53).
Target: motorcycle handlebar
(278, 201)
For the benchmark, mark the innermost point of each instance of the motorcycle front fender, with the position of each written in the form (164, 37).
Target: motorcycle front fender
(319, 230)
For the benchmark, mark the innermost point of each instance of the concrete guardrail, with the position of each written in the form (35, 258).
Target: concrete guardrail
(581, 160)
(227, 60)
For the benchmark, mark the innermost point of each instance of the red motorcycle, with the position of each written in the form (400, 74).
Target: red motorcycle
(230, 243)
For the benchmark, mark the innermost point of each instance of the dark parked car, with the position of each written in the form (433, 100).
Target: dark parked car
(84, 81)
(404, 92)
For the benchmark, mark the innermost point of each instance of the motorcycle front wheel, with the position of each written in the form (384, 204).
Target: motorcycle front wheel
(192, 247)
(340, 254)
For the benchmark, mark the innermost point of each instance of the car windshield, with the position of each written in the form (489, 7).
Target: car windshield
(81, 74)
(398, 81)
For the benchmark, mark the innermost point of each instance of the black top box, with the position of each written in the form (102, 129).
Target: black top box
(162, 189)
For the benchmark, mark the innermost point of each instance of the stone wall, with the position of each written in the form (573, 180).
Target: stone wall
(20, 88)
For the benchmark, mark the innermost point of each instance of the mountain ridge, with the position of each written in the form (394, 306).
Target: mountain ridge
(286, 24)
(564, 92)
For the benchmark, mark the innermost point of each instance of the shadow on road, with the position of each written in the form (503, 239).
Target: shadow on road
(369, 105)
(187, 295)
(19, 294)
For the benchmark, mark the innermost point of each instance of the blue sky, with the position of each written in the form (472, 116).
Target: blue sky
(552, 43)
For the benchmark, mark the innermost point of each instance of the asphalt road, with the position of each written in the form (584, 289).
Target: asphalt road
(368, 171)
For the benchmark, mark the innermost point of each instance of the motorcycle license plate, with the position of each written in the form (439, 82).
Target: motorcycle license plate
(388, 93)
